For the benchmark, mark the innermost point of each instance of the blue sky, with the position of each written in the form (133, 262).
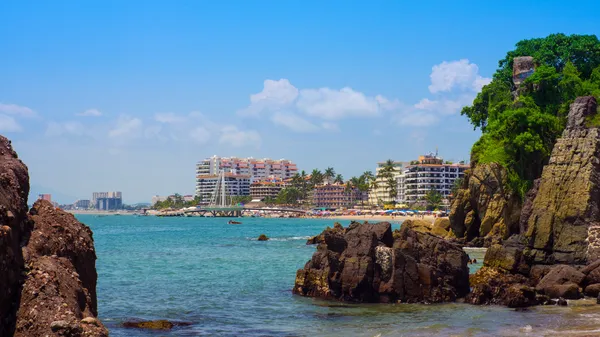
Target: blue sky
(128, 95)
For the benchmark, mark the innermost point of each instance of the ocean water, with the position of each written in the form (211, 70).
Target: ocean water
(225, 283)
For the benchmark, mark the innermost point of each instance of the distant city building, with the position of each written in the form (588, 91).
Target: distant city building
(381, 194)
(428, 173)
(107, 201)
(188, 198)
(267, 188)
(82, 204)
(47, 197)
(240, 173)
(337, 196)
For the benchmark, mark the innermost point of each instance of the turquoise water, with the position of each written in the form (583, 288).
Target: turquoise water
(225, 283)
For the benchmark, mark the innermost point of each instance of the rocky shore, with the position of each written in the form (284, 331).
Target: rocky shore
(543, 252)
(47, 263)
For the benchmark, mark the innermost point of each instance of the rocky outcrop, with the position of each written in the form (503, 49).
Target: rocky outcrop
(484, 206)
(47, 263)
(523, 67)
(564, 224)
(558, 254)
(367, 263)
(14, 225)
(337, 228)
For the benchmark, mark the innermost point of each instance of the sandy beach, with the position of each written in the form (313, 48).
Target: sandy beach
(430, 218)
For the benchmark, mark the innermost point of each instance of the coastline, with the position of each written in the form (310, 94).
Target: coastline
(429, 218)
(78, 211)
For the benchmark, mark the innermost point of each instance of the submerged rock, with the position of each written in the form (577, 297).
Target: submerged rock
(367, 263)
(160, 324)
(263, 237)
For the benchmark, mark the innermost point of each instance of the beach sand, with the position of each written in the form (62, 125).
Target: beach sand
(370, 218)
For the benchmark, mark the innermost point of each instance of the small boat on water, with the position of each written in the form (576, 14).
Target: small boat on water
(231, 222)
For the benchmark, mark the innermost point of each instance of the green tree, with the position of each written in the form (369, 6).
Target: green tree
(329, 174)
(519, 127)
(316, 178)
(339, 179)
(433, 199)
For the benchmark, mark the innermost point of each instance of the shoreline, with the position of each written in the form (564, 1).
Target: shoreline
(429, 218)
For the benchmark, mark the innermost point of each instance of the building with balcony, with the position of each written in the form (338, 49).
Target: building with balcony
(240, 173)
(428, 173)
(235, 185)
(381, 194)
(267, 188)
(337, 196)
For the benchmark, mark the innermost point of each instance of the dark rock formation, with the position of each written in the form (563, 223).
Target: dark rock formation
(367, 263)
(263, 237)
(14, 188)
(493, 286)
(564, 224)
(484, 206)
(337, 228)
(47, 263)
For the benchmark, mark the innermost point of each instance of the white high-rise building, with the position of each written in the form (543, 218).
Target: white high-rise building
(381, 194)
(239, 174)
(428, 173)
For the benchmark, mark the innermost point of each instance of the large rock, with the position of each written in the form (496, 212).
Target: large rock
(523, 67)
(485, 206)
(493, 286)
(561, 281)
(47, 263)
(14, 188)
(369, 264)
(564, 224)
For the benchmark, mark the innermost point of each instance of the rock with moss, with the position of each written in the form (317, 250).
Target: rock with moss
(337, 228)
(159, 324)
(485, 206)
(564, 223)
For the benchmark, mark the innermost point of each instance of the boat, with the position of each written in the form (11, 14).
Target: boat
(231, 222)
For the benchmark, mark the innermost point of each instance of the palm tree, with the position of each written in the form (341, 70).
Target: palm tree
(316, 177)
(339, 179)
(329, 174)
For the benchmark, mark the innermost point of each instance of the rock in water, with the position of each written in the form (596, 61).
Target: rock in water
(47, 262)
(368, 264)
(564, 224)
(263, 237)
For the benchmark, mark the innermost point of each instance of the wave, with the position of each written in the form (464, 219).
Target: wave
(289, 238)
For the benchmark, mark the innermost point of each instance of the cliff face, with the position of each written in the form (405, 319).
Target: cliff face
(484, 207)
(47, 263)
(564, 224)
(14, 188)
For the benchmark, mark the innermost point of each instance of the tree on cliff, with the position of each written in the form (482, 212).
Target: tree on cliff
(520, 125)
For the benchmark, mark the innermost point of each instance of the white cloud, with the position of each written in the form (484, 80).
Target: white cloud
(9, 124)
(413, 117)
(55, 129)
(90, 113)
(13, 109)
(462, 74)
(445, 106)
(200, 135)
(232, 136)
(169, 118)
(293, 122)
(126, 127)
(333, 104)
(275, 95)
